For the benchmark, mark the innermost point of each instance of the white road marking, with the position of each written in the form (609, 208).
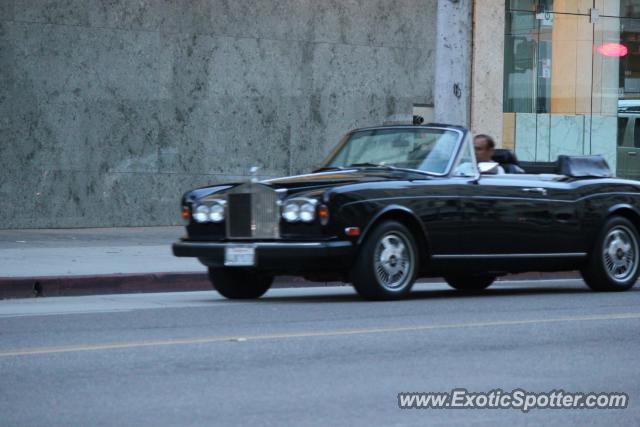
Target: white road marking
(308, 334)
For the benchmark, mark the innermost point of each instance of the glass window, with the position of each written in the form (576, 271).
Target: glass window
(581, 7)
(622, 127)
(527, 63)
(466, 165)
(572, 83)
(430, 150)
(621, 8)
(636, 134)
(529, 5)
(616, 87)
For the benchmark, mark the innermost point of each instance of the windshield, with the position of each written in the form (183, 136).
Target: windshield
(429, 150)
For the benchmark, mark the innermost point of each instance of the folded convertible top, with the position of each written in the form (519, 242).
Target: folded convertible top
(575, 166)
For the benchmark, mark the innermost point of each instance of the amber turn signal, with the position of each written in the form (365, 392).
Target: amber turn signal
(323, 214)
(352, 231)
(185, 213)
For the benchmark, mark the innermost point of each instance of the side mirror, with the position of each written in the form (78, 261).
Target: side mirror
(488, 168)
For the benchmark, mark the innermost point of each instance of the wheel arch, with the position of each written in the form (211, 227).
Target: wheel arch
(406, 217)
(624, 210)
(627, 211)
(594, 272)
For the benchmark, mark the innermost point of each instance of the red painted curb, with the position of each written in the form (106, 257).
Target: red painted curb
(53, 286)
(50, 286)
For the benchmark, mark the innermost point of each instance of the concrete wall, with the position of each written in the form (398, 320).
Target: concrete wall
(488, 69)
(110, 110)
(452, 91)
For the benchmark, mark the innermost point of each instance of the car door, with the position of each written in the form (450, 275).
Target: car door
(625, 136)
(518, 214)
(632, 151)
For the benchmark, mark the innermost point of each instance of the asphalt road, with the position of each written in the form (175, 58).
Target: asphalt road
(317, 356)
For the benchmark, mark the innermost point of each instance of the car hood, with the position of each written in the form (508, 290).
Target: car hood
(313, 182)
(320, 180)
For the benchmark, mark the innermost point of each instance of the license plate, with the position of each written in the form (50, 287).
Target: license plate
(239, 256)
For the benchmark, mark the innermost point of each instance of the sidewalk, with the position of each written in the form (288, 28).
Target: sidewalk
(95, 251)
(54, 262)
(94, 261)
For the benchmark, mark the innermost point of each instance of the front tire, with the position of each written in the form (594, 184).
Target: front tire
(387, 264)
(613, 261)
(239, 283)
(470, 283)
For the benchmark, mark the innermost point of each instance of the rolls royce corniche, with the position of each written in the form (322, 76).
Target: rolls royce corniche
(394, 203)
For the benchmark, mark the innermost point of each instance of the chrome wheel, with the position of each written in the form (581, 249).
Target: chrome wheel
(394, 261)
(620, 253)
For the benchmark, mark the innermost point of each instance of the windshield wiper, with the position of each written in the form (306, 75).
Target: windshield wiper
(372, 165)
(329, 168)
(354, 165)
(393, 168)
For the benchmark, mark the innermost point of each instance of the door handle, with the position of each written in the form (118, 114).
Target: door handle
(632, 153)
(537, 190)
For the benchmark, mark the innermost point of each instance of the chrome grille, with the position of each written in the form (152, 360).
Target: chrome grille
(239, 208)
(253, 212)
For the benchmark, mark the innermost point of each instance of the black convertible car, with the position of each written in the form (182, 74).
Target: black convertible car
(394, 203)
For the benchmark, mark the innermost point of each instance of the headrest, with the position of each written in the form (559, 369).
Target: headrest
(583, 166)
(504, 156)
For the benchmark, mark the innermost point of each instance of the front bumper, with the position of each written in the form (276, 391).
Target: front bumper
(283, 257)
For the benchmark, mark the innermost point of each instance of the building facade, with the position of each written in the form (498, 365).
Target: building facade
(569, 77)
(109, 111)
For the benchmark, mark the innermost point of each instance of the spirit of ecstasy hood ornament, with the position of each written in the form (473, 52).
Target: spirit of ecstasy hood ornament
(254, 173)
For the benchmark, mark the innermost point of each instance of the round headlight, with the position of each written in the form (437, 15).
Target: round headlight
(307, 212)
(216, 212)
(291, 212)
(201, 213)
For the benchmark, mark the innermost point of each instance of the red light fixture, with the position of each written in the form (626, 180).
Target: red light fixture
(613, 49)
(352, 231)
(185, 214)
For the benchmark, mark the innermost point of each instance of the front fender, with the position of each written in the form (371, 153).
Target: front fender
(623, 206)
(392, 211)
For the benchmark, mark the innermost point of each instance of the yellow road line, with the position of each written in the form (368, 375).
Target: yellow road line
(308, 334)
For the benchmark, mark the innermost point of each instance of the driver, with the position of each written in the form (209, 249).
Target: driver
(485, 147)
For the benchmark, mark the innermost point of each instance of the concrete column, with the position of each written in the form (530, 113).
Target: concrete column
(452, 91)
(488, 69)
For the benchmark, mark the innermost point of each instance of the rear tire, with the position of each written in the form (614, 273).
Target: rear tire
(470, 283)
(239, 283)
(613, 261)
(387, 264)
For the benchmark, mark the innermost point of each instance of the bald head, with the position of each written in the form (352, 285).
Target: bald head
(484, 147)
